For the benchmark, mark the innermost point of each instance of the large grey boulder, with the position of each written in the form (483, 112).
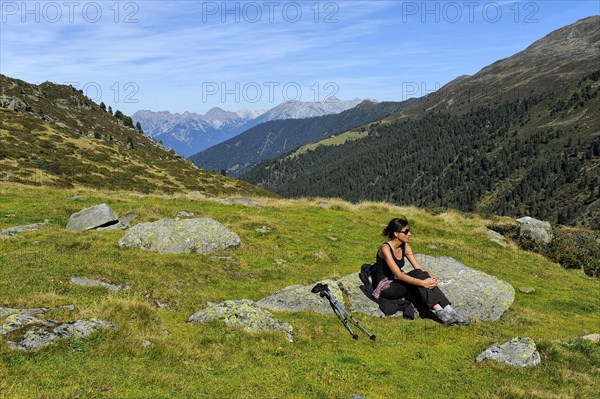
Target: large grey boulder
(39, 337)
(122, 223)
(518, 352)
(171, 236)
(359, 296)
(243, 314)
(538, 231)
(92, 217)
(473, 293)
(299, 298)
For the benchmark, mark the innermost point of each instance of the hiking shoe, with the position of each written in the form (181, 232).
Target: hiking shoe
(446, 317)
(460, 318)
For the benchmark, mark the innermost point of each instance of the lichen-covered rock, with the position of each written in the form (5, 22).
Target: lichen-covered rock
(184, 214)
(538, 231)
(594, 338)
(90, 282)
(248, 202)
(20, 320)
(5, 312)
(39, 337)
(92, 217)
(474, 294)
(264, 229)
(527, 290)
(239, 201)
(299, 298)
(4, 233)
(497, 238)
(243, 314)
(518, 352)
(82, 328)
(202, 235)
(13, 231)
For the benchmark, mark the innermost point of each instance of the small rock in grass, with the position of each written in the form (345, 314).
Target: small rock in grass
(518, 352)
(527, 290)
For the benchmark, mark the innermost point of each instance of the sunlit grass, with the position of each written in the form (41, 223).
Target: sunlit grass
(410, 358)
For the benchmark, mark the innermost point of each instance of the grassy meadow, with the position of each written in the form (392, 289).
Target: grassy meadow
(308, 243)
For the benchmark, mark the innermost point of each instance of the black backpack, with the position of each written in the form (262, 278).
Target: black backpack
(365, 274)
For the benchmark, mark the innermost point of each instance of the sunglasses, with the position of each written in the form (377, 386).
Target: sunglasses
(405, 232)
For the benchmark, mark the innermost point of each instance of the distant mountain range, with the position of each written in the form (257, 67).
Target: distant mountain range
(189, 133)
(273, 138)
(521, 137)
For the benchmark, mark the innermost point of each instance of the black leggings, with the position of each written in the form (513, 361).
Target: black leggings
(400, 289)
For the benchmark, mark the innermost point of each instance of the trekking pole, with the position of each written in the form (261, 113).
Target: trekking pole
(360, 326)
(340, 311)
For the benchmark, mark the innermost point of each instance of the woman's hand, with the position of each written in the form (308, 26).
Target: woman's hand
(429, 283)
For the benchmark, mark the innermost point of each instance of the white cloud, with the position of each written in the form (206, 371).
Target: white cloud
(175, 47)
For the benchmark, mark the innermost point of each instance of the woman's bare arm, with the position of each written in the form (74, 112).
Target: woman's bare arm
(389, 259)
(414, 262)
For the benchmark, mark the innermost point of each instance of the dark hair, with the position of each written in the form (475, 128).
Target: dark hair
(396, 224)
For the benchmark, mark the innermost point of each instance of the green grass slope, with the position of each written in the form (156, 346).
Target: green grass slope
(410, 358)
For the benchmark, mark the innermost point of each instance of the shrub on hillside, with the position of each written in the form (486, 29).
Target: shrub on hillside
(576, 250)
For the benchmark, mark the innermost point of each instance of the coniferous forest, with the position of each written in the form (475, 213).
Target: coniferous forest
(539, 157)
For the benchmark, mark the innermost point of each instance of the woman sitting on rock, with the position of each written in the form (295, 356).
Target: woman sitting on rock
(390, 282)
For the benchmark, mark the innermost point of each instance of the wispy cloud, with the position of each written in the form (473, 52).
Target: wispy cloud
(169, 49)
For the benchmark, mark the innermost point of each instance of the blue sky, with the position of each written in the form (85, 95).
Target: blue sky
(194, 55)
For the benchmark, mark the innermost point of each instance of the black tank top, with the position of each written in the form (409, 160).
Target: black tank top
(382, 269)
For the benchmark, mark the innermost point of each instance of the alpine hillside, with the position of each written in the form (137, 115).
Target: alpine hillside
(548, 65)
(53, 135)
(521, 137)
